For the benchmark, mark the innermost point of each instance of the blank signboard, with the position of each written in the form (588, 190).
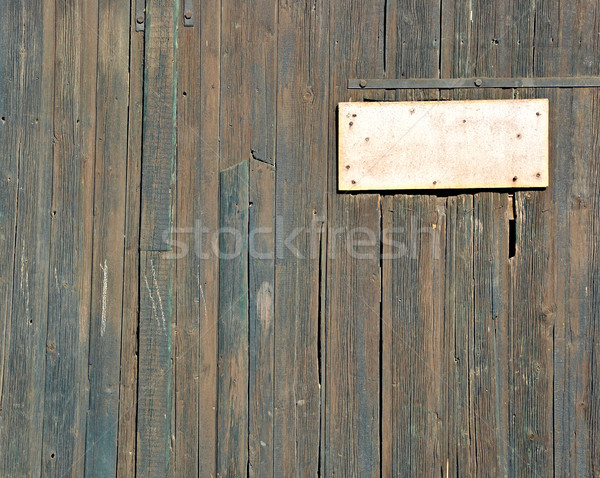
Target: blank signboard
(443, 145)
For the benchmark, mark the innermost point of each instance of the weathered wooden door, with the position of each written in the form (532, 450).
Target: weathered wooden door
(185, 292)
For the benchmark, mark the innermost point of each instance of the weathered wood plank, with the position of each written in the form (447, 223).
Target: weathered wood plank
(413, 437)
(302, 134)
(563, 315)
(249, 81)
(232, 412)
(501, 34)
(160, 99)
(352, 323)
(67, 389)
(414, 386)
(458, 455)
(127, 437)
(489, 348)
(197, 280)
(154, 383)
(26, 126)
(154, 414)
(261, 284)
(353, 336)
(108, 249)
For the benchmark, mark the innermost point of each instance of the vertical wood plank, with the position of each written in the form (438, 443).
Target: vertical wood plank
(211, 135)
(248, 108)
(154, 452)
(67, 388)
(488, 39)
(458, 335)
(26, 127)
(415, 391)
(415, 388)
(232, 448)
(261, 243)
(352, 322)
(352, 345)
(127, 436)
(303, 117)
(160, 84)
(197, 215)
(154, 385)
(108, 248)
(562, 312)
(248, 81)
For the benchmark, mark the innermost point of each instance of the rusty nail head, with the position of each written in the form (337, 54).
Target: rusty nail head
(140, 19)
(188, 15)
(363, 83)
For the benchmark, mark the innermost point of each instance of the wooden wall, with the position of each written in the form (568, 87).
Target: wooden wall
(183, 291)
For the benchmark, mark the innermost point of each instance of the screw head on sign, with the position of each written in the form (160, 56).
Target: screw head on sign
(140, 19)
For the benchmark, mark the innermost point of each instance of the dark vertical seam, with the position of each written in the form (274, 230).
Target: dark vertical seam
(146, 34)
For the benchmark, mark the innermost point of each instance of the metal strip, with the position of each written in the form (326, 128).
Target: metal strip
(188, 13)
(140, 15)
(453, 83)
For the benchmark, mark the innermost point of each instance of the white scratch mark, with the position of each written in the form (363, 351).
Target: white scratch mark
(202, 295)
(104, 297)
(151, 297)
(160, 304)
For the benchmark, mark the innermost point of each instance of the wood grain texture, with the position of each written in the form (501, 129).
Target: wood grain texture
(160, 101)
(128, 380)
(352, 323)
(154, 455)
(69, 294)
(112, 87)
(197, 281)
(233, 367)
(154, 366)
(248, 126)
(563, 310)
(302, 144)
(248, 81)
(414, 389)
(261, 305)
(414, 392)
(26, 127)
